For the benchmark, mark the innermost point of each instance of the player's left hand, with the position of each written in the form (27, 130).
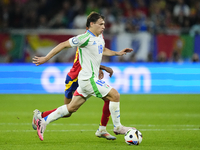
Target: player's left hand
(124, 51)
(109, 70)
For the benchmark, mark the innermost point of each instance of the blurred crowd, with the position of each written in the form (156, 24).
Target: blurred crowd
(154, 16)
(121, 15)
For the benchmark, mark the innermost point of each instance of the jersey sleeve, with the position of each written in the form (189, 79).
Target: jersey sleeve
(78, 40)
(74, 41)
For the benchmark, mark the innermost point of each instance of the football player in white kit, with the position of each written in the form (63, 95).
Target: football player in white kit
(91, 48)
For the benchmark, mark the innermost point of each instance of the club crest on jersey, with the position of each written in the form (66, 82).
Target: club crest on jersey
(75, 40)
(106, 86)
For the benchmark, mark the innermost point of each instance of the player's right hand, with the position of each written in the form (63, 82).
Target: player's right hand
(38, 60)
(101, 74)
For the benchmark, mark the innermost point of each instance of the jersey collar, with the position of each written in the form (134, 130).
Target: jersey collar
(91, 33)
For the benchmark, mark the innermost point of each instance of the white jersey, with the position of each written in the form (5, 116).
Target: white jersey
(90, 53)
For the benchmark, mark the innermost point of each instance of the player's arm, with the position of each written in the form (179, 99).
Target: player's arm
(107, 69)
(108, 52)
(40, 60)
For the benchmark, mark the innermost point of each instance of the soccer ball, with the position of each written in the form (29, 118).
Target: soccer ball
(133, 137)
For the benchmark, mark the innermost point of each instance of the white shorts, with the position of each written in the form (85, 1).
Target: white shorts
(93, 86)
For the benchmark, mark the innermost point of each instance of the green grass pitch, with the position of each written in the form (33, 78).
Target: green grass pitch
(167, 122)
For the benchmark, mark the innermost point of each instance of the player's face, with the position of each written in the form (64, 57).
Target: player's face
(99, 26)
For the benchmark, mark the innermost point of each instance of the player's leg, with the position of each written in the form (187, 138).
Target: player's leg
(39, 115)
(46, 113)
(101, 131)
(70, 86)
(114, 108)
(67, 100)
(64, 110)
(36, 115)
(42, 123)
(61, 111)
(102, 89)
(109, 93)
(105, 113)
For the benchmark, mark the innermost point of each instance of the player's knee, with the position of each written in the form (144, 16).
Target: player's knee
(66, 116)
(115, 96)
(72, 110)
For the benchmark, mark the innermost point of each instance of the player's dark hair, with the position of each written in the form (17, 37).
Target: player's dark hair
(93, 17)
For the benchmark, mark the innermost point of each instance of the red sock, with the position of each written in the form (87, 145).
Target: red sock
(106, 113)
(46, 113)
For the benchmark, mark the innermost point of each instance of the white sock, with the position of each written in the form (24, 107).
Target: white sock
(58, 113)
(102, 128)
(115, 113)
(39, 115)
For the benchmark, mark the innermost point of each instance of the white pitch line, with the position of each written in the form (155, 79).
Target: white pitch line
(71, 124)
(192, 129)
